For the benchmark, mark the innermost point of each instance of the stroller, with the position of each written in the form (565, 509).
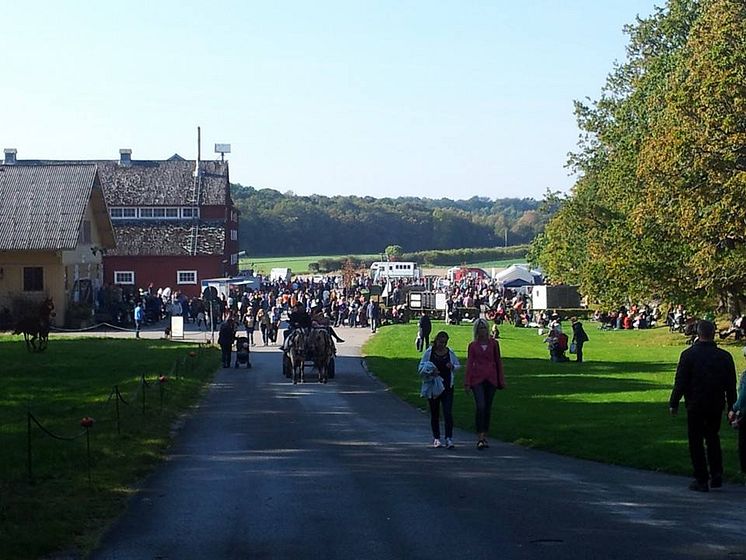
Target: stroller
(242, 352)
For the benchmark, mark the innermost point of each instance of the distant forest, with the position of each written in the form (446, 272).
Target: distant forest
(277, 224)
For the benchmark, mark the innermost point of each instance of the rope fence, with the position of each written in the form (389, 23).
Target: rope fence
(180, 367)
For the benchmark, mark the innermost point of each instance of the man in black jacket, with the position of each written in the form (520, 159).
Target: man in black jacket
(424, 328)
(706, 378)
(226, 338)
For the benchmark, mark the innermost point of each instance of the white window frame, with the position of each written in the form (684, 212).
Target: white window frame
(116, 213)
(234, 258)
(172, 213)
(119, 280)
(234, 235)
(189, 212)
(146, 213)
(180, 280)
(159, 213)
(129, 212)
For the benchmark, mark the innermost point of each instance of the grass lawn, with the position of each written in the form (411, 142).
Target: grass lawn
(505, 263)
(298, 265)
(611, 408)
(73, 378)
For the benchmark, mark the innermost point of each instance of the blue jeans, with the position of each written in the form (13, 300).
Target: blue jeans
(483, 395)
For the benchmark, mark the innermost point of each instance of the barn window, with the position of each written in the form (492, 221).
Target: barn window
(190, 212)
(146, 212)
(33, 279)
(172, 212)
(234, 235)
(116, 212)
(124, 277)
(186, 277)
(129, 212)
(234, 259)
(159, 212)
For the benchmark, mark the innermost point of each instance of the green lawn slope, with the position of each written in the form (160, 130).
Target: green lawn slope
(611, 408)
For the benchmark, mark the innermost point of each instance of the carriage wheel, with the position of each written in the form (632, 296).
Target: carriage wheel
(331, 369)
(287, 366)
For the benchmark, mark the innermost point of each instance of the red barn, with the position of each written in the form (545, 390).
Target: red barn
(174, 222)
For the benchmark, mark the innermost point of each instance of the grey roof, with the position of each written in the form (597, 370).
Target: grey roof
(159, 182)
(162, 238)
(42, 206)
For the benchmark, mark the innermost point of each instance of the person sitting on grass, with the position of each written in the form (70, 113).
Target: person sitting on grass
(557, 344)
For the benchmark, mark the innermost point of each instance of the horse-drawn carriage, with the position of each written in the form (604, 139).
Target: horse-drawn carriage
(312, 346)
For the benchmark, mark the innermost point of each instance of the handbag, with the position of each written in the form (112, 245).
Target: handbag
(573, 348)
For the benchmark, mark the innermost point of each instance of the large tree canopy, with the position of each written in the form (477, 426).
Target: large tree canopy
(659, 207)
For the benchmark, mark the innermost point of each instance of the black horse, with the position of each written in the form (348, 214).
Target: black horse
(37, 327)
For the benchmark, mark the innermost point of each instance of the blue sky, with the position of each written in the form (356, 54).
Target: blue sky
(411, 98)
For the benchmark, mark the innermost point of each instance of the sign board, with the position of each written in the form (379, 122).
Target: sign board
(427, 300)
(177, 326)
(222, 148)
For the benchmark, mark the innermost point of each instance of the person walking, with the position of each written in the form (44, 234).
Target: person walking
(249, 321)
(706, 378)
(440, 361)
(738, 413)
(579, 337)
(374, 314)
(484, 376)
(139, 317)
(226, 338)
(265, 324)
(424, 328)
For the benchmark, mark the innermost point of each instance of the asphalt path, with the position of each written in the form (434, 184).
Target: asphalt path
(266, 469)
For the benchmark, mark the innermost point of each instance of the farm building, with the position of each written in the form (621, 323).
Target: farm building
(54, 228)
(173, 219)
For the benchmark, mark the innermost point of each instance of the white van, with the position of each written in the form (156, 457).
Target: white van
(394, 269)
(282, 274)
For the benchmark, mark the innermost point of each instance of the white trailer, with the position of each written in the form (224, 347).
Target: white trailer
(394, 269)
(555, 297)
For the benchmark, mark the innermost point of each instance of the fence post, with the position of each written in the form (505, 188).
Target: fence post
(28, 446)
(116, 399)
(87, 422)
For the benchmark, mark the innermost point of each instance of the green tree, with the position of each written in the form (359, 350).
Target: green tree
(693, 164)
(394, 252)
(596, 239)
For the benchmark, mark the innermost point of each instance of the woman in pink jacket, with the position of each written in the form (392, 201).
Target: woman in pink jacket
(484, 375)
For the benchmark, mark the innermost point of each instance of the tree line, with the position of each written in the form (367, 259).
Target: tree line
(659, 207)
(277, 224)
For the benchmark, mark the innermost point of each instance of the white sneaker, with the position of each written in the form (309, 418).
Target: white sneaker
(436, 443)
(449, 443)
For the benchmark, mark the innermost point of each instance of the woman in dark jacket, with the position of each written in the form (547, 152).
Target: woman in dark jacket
(579, 337)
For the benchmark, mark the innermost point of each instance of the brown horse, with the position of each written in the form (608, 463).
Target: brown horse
(322, 349)
(297, 353)
(35, 327)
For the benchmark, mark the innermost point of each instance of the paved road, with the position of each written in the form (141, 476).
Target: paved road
(265, 469)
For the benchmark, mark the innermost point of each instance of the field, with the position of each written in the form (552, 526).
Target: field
(612, 408)
(55, 505)
(299, 265)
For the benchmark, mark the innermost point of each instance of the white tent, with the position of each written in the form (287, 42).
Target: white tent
(516, 275)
